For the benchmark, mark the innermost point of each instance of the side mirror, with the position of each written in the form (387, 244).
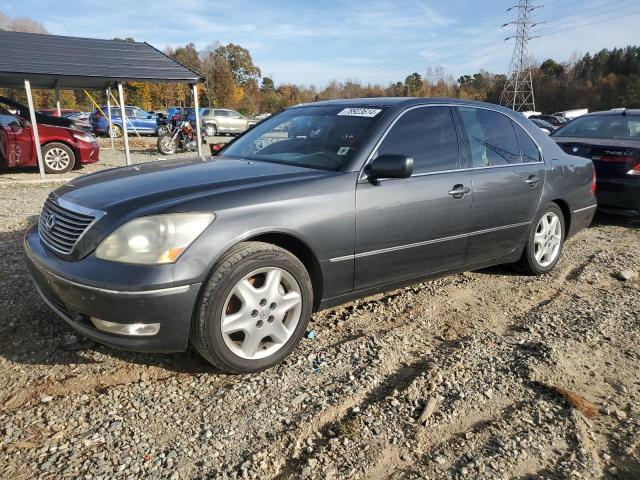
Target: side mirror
(390, 166)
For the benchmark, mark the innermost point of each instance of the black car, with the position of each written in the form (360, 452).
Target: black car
(611, 139)
(555, 120)
(311, 208)
(546, 127)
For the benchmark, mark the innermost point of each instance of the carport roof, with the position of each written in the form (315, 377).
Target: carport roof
(76, 62)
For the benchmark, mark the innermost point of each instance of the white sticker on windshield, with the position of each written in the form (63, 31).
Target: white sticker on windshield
(343, 150)
(360, 112)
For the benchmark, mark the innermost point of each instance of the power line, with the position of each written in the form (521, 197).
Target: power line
(518, 90)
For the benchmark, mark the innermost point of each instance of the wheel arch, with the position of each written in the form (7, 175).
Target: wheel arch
(566, 213)
(302, 251)
(66, 143)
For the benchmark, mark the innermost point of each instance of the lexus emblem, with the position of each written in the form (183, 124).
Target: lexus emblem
(575, 149)
(50, 221)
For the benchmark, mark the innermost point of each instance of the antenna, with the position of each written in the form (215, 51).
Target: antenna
(518, 90)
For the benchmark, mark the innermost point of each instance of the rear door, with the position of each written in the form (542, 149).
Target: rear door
(16, 141)
(507, 174)
(237, 122)
(407, 228)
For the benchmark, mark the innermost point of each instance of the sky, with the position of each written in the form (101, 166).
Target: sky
(372, 41)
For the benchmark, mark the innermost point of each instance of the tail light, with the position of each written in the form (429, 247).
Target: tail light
(635, 170)
(593, 182)
(215, 148)
(613, 158)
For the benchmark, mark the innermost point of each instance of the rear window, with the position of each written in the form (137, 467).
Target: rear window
(623, 127)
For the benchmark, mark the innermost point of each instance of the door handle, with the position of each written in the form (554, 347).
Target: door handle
(533, 180)
(459, 191)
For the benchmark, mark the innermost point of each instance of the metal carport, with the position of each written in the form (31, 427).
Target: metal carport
(59, 62)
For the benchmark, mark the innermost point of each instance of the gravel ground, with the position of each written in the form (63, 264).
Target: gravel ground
(484, 375)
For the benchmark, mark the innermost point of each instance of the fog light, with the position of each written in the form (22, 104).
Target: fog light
(135, 329)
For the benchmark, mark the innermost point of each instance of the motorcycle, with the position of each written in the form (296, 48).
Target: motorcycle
(182, 139)
(163, 125)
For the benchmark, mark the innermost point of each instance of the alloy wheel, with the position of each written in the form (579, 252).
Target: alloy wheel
(547, 239)
(261, 313)
(57, 159)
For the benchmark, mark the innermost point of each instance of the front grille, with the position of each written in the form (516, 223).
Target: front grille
(61, 228)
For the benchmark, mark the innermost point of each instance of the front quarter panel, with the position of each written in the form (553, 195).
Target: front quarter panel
(320, 212)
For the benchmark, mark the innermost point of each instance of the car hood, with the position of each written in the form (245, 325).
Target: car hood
(167, 181)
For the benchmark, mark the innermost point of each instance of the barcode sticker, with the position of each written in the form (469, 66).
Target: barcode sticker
(360, 112)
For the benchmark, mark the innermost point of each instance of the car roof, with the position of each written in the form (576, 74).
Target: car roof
(615, 111)
(399, 101)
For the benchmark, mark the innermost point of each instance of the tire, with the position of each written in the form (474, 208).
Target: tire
(166, 145)
(249, 337)
(210, 130)
(116, 131)
(544, 242)
(58, 158)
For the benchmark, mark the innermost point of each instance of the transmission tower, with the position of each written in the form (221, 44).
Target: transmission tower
(518, 90)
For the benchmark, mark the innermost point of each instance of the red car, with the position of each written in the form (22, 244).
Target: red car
(63, 147)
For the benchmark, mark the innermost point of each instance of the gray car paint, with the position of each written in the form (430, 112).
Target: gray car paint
(361, 235)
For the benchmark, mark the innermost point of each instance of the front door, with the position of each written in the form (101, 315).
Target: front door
(408, 228)
(508, 176)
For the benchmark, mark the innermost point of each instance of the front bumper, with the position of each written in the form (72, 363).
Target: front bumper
(619, 195)
(76, 303)
(89, 152)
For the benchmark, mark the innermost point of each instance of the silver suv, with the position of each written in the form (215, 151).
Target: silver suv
(222, 120)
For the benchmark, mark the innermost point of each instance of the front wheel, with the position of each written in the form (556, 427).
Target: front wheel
(58, 158)
(162, 130)
(166, 144)
(210, 130)
(254, 308)
(544, 242)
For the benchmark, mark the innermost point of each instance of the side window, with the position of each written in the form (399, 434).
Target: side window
(428, 134)
(528, 148)
(6, 119)
(233, 114)
(492, 140)
(129, 112)
(222, 113)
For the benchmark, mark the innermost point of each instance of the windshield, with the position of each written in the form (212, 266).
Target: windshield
(325, 138)
(624, 127)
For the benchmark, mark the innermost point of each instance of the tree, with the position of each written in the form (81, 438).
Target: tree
(267, 85)
(240, 62)
(550, 68)
(413, 84)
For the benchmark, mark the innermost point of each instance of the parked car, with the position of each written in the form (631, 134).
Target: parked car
(358, 196)
(546, 127)
(555, 120)
(54, 111)
(80, 120)
(222, 120)
(138, 120)
(63, 147)
(571, 114)
(612, 140)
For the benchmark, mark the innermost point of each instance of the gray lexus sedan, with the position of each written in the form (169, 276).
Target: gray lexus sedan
(318, 205)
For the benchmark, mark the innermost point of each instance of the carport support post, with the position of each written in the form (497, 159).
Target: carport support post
(58, 98)
(34, 127)
(197, 109)
(109, 116)
(125, 135)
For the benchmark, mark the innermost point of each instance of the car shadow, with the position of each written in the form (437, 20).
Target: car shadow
(607, 219)
(31, 333)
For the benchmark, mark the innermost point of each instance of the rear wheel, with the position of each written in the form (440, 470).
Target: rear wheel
(253, 310)
(544, 243)
(58, 158)
(116, 131)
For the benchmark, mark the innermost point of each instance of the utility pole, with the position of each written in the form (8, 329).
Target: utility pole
(518, 90)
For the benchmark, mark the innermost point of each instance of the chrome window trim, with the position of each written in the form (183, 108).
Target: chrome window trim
(427, 242)
(372, 155)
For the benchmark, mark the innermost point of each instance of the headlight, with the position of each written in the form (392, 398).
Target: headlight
(83, 137)
(154, 239)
